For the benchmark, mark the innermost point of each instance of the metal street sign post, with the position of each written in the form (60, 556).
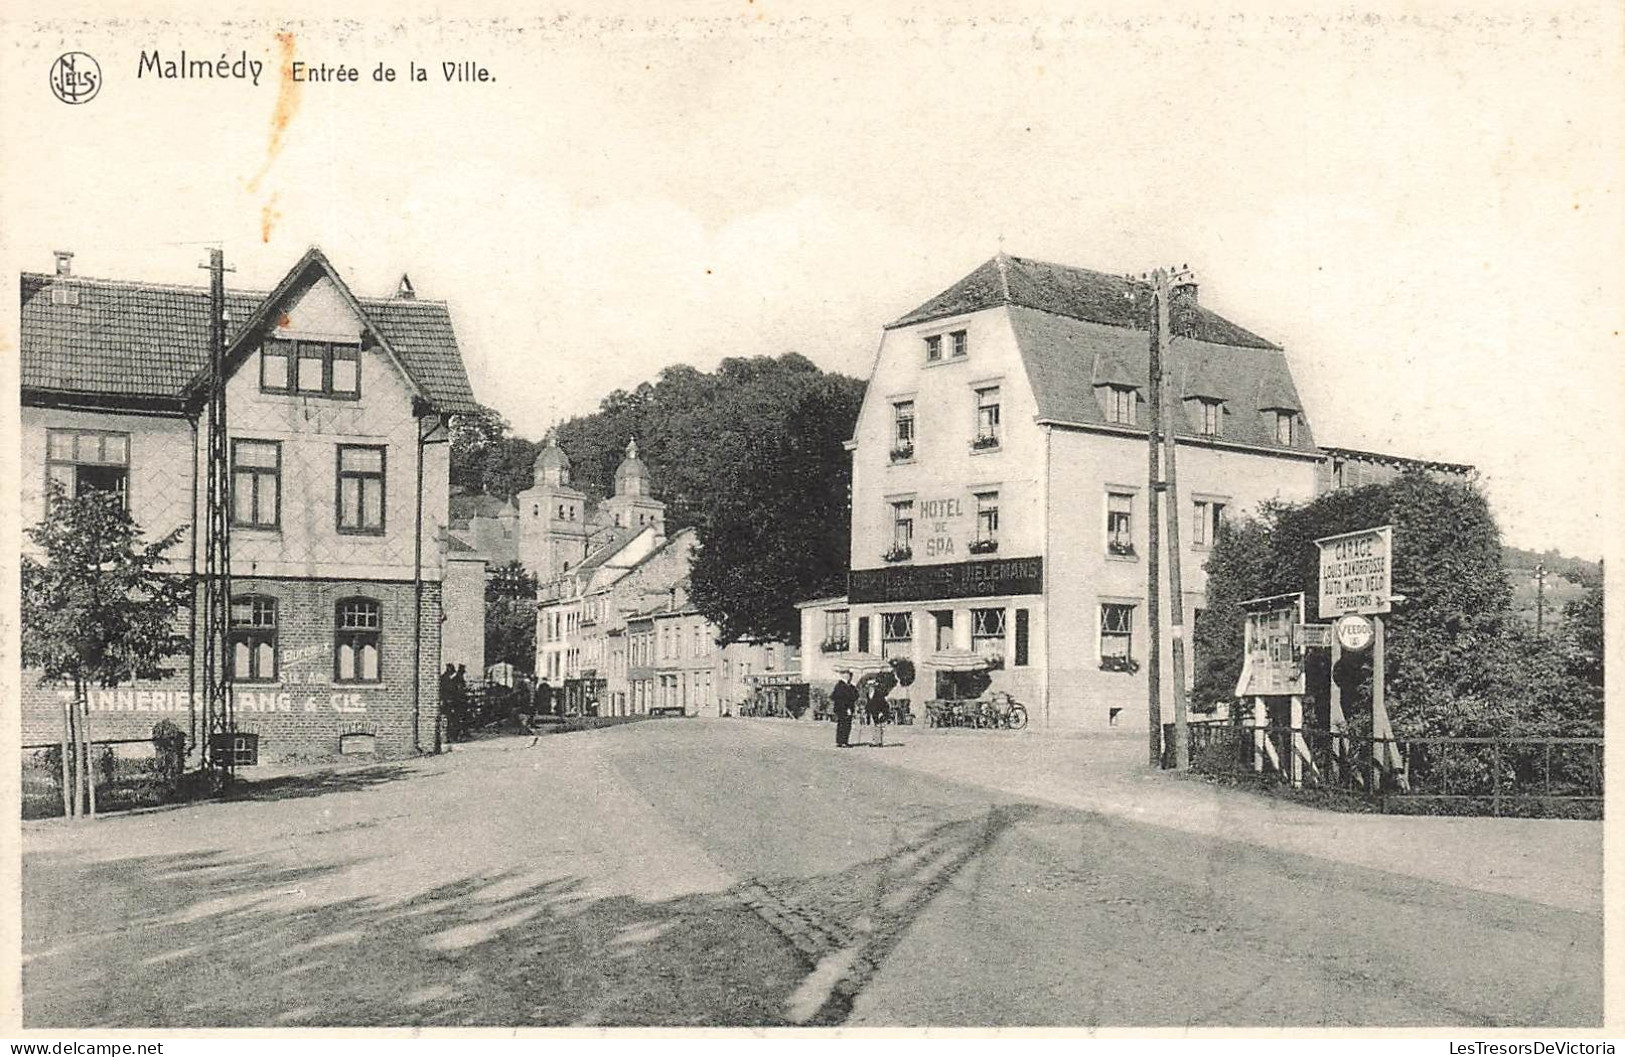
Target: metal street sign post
(1357, 581)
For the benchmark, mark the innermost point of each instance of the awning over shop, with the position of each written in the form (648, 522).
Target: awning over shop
(958, 661)
(861, 663)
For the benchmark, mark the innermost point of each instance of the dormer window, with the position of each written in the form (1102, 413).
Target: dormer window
(1283, 427)
(1209, 416)
(1121, 404)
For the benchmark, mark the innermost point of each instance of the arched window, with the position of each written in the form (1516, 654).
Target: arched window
(253, 639)
(356, 641)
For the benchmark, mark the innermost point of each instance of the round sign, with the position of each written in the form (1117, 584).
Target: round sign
(1355, 632)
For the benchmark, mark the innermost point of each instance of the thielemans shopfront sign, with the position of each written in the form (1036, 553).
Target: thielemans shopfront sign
(920, 583)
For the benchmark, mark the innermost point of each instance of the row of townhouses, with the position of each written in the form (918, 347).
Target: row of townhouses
(338, 409)
(999, 484)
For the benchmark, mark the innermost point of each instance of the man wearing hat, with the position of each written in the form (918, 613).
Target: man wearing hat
(844, 700)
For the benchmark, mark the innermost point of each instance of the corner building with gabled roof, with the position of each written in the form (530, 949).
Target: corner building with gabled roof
(337, 411)
(999, 485)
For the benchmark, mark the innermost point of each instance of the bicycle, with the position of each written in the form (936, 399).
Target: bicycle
(1005, 712)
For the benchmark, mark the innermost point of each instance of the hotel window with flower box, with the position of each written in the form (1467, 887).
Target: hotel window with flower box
(902, 531)
(1120, 524)
(902, 431)
(987, 418)
(987, 523)
(357, 641)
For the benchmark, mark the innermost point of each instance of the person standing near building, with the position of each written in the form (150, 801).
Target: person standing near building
(448, 709)
(843, 700)
(877, 707)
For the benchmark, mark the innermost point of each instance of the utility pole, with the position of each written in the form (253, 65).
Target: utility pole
(217, 703)
(1153, 566)
(1163, 285)
(1540, 598)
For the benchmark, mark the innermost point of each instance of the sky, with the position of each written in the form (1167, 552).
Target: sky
(1420, 202)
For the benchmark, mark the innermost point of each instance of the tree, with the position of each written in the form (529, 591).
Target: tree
(1456, 664)
(510, 617)
(751, 456)
(487, 458)
(95, 609)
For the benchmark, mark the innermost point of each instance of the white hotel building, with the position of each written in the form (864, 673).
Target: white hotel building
(999, 483)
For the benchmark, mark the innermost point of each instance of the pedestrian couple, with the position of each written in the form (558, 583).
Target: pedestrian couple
(844, 699)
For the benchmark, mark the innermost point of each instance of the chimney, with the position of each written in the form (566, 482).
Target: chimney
(64, 263)
(1185, 293)
(404, 291)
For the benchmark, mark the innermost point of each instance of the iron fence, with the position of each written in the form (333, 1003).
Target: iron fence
(1519, 776)
(128, 774)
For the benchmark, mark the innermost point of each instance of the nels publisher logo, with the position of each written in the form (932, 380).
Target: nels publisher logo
(75, 77)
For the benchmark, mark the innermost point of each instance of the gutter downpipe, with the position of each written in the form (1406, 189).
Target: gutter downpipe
(1049, 574)
(417, 586)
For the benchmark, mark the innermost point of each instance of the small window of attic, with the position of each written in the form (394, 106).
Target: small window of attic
(64, 294)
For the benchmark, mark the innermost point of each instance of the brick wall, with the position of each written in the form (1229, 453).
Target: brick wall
(304, 713)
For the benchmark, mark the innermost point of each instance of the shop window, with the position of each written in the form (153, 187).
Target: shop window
(1117, 637)
(1208, 513)
(311, 368)
(836, 630)
(1023, 637)
(357, 641)
(987, 633)
(896, 634)
(253, 639)
(256, 483)
(361, 489)
(1120, 524)
(84, 461)
(987, 418)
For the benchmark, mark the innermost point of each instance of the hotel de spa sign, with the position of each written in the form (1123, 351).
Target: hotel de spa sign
(973, 579)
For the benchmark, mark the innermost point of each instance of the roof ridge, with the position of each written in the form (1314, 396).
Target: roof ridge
(188, 288)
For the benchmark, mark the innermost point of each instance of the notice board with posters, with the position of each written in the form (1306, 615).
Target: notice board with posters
(1274, 647)
(1357, 572)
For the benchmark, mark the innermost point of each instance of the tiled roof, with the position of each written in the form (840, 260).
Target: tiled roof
(1076, 293)
(1062, 356)
(150, 341)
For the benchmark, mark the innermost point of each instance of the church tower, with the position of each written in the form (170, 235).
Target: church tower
(552, 517)
(632, 506)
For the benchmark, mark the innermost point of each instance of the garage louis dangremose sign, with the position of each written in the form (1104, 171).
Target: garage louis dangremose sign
(1356, 572)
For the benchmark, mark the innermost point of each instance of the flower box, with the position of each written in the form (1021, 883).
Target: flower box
(1122, 550)
(833, 646)
(897, 554)
(1127, 665)
(983, 546)
(985, 441)
(902, 453)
